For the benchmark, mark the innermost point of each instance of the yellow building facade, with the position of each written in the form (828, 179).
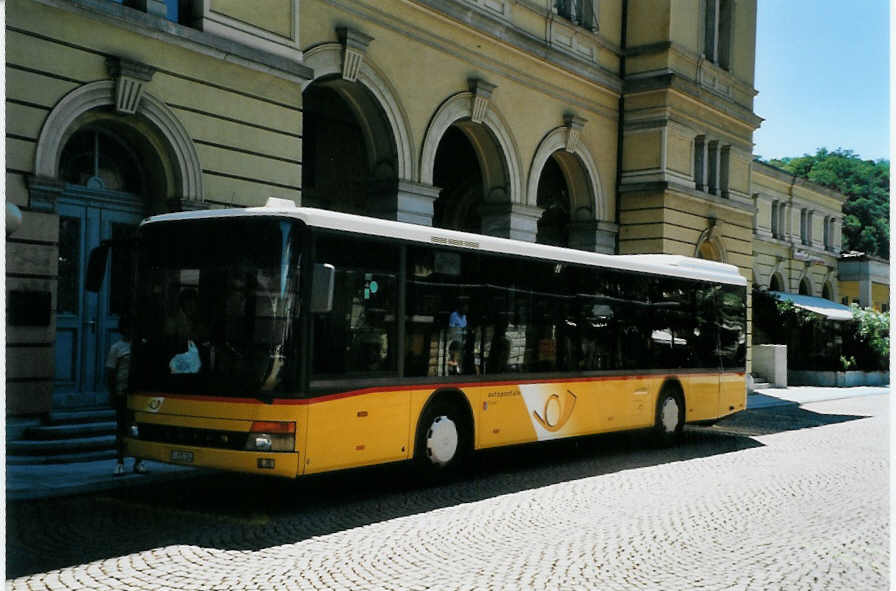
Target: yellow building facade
(864, 280)
(797, 234)
(616, 126)
(114, 114)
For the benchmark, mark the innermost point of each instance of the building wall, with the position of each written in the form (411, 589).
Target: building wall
(778, 243)
(680, 111)
(229, 81)
(880, 296)
(426, 56)
(866, 280)
(241, 121)
(849, 291)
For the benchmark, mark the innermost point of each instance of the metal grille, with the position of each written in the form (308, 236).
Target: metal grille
(194, 437)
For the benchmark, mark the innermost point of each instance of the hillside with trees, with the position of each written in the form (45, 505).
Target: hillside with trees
(866, 183)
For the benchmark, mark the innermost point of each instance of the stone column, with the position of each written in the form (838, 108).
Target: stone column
(865, 283)
(510, 220)
(403, 201)
(815, 241)
(784, 221)
(593, 236)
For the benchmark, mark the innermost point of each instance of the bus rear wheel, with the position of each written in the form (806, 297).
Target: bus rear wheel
(669, 417)
(443, 441)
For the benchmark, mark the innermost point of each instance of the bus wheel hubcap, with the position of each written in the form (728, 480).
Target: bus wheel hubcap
(669, 415)
(441, 440)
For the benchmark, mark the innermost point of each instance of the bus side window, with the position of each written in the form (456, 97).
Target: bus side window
(731, 305)
(443, 311)
(358, 336)
(706, 328)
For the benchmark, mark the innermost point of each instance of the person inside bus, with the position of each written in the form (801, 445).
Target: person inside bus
(457, 328)
(499, 351)
(458, 317)
(454, 359)
(185, 325)
(231, 331)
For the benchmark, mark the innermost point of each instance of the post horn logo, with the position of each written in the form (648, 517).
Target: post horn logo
(154, 404)
(556, 414)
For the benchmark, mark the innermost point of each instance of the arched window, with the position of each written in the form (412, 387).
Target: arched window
(709, 251)
(826, 291)
(775, 284)
(805, 288)
(97, 160)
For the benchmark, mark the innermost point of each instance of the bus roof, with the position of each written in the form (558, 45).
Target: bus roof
(660, 264)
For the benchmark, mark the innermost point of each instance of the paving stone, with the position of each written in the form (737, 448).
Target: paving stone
(805, 508)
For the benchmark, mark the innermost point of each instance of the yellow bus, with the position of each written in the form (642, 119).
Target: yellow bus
(290, 341)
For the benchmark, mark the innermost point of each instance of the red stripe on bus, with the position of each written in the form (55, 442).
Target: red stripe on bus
(363, 391)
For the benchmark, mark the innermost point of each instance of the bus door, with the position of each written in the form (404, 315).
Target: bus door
(362, 418)
(732, 349)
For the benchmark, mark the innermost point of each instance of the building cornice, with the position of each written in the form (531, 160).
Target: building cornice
(664, 186)
(696, 59)
(786, 177)
(669, 80)
(157, 27)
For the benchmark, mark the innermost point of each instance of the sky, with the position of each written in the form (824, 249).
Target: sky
(822, 72)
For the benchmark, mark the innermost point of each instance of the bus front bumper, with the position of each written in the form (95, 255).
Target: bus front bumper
(275, 464)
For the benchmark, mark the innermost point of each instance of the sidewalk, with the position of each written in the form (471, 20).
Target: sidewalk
(24, 482)
(799, 395)
(53, 480)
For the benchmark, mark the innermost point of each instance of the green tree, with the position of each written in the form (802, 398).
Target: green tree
(866, 183)
(873, 329)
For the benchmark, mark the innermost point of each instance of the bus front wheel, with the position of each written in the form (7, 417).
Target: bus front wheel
(669, 417)
(443, 440)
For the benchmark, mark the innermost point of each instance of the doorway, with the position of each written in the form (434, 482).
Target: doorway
(102, 200)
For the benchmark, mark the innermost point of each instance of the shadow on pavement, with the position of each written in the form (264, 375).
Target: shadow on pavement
(240, 512)
(770, 420)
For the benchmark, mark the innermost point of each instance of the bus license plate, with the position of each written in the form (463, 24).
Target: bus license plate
(184, 457)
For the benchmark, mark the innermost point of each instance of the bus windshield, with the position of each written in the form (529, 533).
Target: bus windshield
(217, 307)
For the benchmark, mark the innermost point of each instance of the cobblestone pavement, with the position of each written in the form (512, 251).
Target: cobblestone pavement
(760, 501)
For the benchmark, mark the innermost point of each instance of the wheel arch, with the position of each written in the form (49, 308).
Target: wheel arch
(674, 384)
(454, 396)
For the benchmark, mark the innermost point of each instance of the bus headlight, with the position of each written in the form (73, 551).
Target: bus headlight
(135, 431)
(271, 436)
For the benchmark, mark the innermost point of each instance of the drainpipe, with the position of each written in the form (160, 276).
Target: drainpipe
(619, 126)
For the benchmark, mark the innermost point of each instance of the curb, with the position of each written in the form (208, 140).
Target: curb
(158, 473)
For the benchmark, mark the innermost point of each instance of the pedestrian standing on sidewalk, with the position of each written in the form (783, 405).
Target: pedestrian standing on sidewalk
(118, 365)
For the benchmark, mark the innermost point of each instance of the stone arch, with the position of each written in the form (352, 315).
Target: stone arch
(498, 170)
(180, 155)
(710, 244)
(586, 192)
(326, 61)
(776, 282)
(805, 284)
(830, 285)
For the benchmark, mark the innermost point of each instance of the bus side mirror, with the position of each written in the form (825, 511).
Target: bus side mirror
(322, 288)
(96, 267)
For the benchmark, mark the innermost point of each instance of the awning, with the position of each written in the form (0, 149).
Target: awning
(826, 308)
